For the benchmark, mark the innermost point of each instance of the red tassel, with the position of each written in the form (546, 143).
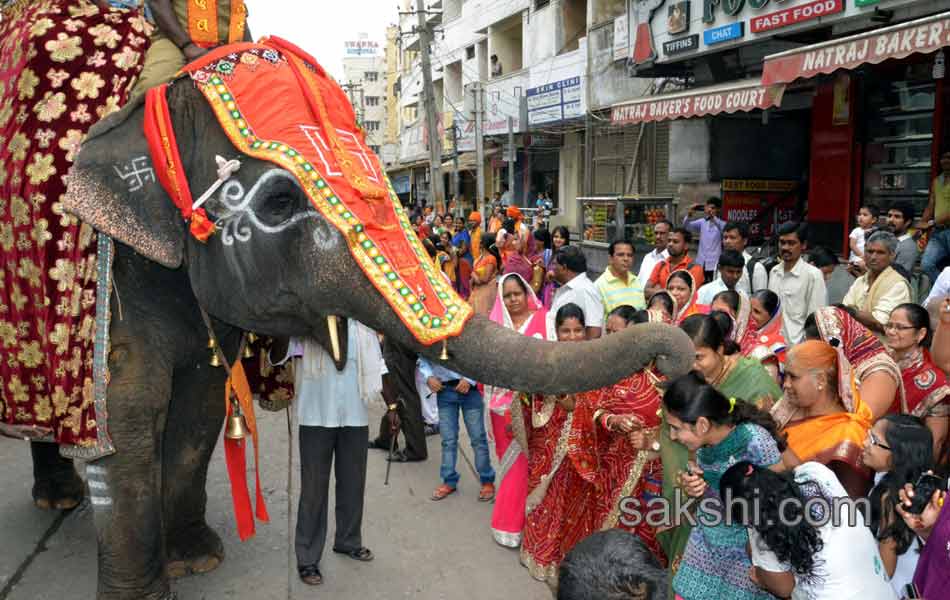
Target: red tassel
(201, 227)
(234, 456)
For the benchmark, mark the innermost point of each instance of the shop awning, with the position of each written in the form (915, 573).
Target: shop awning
(898, 41)
(745, 95)
(467, 160)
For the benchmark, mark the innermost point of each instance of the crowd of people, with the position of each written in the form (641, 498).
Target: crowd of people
(790, 400)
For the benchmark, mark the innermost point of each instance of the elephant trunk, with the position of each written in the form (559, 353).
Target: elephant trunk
(495, 355)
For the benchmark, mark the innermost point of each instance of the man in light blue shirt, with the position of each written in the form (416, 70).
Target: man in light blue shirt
(334, 428)
(709, 227)
(456, 393)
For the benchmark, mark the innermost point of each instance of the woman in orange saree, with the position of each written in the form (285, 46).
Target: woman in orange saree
(830, 421)
(614, 444)
(484, 277)
(557, 514)
(682, 287)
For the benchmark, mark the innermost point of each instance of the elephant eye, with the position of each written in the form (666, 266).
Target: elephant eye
(279, 208)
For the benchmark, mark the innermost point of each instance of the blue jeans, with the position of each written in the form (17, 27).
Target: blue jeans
(450, 402)
(938, 250)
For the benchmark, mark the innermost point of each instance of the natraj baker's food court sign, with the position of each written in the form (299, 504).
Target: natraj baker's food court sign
(729, 98)
(662, 31)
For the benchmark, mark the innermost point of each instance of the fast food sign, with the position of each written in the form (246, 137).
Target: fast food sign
(745, 21)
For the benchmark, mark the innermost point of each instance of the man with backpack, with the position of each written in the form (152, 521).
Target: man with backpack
(735, 236)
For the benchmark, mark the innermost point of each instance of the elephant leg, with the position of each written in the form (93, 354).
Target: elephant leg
(56, 485)
(125, 487)
(194, 423)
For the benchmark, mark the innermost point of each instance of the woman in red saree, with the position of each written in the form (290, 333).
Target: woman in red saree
(517, 308)
(557, 514)
(614, 444)
(925, 385)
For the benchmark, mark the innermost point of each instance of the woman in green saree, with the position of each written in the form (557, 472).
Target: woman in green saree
(735, 376)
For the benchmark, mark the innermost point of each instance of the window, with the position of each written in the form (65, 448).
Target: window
(372, 101)
(470, 53)
(375, 149)
(372, 76)
(372, 125)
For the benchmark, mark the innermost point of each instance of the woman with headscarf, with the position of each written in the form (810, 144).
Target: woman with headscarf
(615, 442)
(737, 306)
(830, 421)
(876, 376)
(767, 321)
(517, 308)
(682, 287)
(927, 394)
(557, 514)
(521, 257)
(484, 277)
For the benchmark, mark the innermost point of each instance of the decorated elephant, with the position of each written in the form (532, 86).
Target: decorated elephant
(295, 235)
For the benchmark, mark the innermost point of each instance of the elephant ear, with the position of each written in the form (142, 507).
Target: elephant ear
(113, 187)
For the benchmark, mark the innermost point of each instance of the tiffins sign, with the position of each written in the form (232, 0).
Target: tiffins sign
(728, 23)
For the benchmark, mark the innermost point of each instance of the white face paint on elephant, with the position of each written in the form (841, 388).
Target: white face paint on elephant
(238, 220)
(99, 494)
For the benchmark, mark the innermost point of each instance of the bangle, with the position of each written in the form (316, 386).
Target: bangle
(392, 406)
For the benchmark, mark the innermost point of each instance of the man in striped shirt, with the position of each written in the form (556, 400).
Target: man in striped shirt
(617, 285)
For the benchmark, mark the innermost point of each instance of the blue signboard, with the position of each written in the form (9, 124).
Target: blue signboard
(555, 101)
(400, 184)
(722, 34)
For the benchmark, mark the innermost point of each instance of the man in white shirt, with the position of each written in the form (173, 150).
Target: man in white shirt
(334, 428)
(941, 288)
(799, 285)
(730, 270)
(570, 270)
(876, 293)
(661, 239)
(735, 236)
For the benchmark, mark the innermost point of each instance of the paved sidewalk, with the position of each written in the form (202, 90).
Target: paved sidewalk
(424, 550)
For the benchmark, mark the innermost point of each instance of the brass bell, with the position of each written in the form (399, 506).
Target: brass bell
(211, 343)
(248, 353)
(215, 361)
(251, 337)
(236, 428)
(444, 355)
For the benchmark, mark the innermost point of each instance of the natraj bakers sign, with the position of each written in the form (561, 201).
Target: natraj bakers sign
(899, 41)
(685, 104)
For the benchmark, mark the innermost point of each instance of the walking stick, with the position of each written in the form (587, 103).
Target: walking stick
(392, 443)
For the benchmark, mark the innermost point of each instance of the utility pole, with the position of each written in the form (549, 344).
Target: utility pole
(511, 159)
(435, 142)
(455, 168)
(479, 149)
(350, 88)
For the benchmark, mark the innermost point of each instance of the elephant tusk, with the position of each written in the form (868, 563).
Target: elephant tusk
(334, 337)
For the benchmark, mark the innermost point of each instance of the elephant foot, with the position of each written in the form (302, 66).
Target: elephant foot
(63, 492)
(193, 552)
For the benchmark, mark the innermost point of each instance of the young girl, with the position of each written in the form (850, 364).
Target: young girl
(722, 431)
(898, 449)
(867, 219)
(801, 555)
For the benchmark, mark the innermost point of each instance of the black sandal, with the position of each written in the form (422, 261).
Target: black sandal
(362, 554)
(310, 574)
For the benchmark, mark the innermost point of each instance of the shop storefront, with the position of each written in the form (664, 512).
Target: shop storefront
(798, 109)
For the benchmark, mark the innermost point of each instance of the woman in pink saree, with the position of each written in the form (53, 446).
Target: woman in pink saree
(516, 307)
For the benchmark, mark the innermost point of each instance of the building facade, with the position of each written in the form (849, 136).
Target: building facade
(364, 81)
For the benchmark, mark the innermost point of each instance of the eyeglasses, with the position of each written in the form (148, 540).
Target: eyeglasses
(898, 326)
(876, 442)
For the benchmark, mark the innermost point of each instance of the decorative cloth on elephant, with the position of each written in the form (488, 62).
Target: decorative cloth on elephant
(64, 64)
(313, 134)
